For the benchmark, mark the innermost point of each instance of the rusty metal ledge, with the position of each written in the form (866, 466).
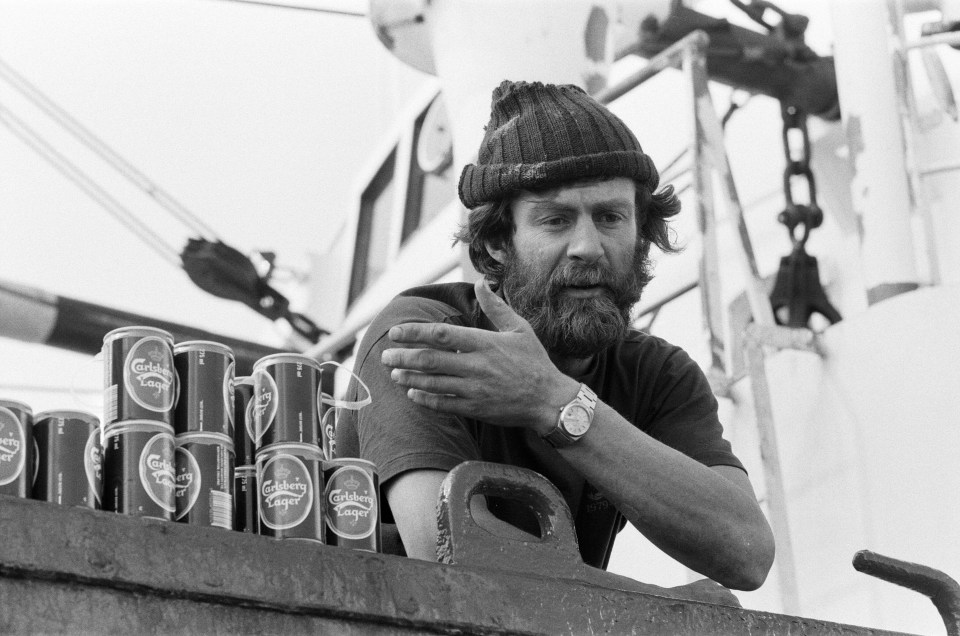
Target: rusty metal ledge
(145, 576)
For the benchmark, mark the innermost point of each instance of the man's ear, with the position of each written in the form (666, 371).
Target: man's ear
(496, 251)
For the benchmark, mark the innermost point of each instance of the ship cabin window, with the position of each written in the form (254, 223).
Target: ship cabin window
(373, 229)
(430, 188)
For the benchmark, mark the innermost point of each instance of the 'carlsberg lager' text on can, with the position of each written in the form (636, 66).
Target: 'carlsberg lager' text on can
(286, 387)
(204, 463)
(139, 470)
(17, 463)
(290, 482)
(139, 376)
(352, 504)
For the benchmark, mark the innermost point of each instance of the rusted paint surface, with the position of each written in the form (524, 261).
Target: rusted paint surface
(45, 607)
(461, 541)
(68, 570)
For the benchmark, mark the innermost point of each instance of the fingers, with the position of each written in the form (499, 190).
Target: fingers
(442, 403)
(437, 335)
(499, 312)
(440, 384)
(424, 360)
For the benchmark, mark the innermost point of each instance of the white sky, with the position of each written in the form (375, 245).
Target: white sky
(254, 118)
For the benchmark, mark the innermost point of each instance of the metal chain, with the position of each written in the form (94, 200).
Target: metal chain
(805, 216)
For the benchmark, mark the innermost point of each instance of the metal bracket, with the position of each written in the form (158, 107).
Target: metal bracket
(555, 554)
(940, 588)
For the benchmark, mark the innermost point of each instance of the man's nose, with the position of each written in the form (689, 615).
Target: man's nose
(585, 244)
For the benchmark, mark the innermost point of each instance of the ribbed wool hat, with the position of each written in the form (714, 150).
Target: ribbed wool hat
(541, 135)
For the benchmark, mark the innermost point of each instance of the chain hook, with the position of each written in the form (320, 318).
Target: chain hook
(797, 291)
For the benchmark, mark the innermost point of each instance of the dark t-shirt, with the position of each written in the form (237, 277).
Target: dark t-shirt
(651, 383)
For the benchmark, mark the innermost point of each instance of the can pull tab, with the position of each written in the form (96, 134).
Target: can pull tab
(334, 406)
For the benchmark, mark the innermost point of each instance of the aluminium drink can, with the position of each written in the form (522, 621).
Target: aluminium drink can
(205, 399)
(139, 469)
(290, 487)
(17, 449)
(246, 515)
(352, 504)
(69, 458)
(286, 387)
(139, 375)
(243, 421)
(204, 495)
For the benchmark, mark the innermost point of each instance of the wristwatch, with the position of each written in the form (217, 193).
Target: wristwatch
(575, 419)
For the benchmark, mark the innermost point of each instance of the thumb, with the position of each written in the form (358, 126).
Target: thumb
(499, 312)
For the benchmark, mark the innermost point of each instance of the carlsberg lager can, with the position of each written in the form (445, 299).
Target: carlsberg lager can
(285, 409)
(17, 464)
(204, 463)
(205, 399)
(139, 469)
(140, 381)
(290, 483)
(352, 504)
(69, 458)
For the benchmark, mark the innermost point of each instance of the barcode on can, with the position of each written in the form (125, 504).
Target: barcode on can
(221, 509)
(110, 404)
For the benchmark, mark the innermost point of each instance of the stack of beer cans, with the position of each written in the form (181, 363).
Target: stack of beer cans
(52, 456)
(247, 515)
(301, 493)
(183, 439)
(140, 392)
(203, 425)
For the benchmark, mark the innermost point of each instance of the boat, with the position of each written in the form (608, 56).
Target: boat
(843, 415)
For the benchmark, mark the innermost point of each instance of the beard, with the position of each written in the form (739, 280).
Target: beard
(575, 327)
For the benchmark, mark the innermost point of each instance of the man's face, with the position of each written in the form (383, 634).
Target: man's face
(574, 267)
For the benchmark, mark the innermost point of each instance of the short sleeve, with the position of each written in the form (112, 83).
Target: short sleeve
(392, 431)
(685, 413)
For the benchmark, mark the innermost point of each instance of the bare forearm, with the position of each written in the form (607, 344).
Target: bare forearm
(709, 523)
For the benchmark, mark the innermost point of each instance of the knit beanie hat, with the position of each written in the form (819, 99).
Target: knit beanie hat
(541, 135)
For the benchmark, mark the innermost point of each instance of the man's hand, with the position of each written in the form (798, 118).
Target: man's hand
(503, 377)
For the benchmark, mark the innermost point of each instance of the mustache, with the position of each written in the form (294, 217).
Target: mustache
(579, 275)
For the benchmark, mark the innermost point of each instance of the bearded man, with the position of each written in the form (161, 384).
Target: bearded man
(545, 372)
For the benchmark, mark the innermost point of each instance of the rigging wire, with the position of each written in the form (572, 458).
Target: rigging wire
(109, 155)
(755, 11)
(281, 5)
(153, 240)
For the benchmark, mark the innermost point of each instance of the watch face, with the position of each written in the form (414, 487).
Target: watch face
(576, 420)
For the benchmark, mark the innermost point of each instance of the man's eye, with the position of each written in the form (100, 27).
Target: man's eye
(611, 218)
(554, 221)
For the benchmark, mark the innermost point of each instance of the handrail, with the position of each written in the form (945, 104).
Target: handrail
(696, 41)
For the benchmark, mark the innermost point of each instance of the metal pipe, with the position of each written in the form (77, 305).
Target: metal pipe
(671, 56)
(881, 188)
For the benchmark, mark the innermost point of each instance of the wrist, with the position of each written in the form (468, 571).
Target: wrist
(564, 391)
(574, 420)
